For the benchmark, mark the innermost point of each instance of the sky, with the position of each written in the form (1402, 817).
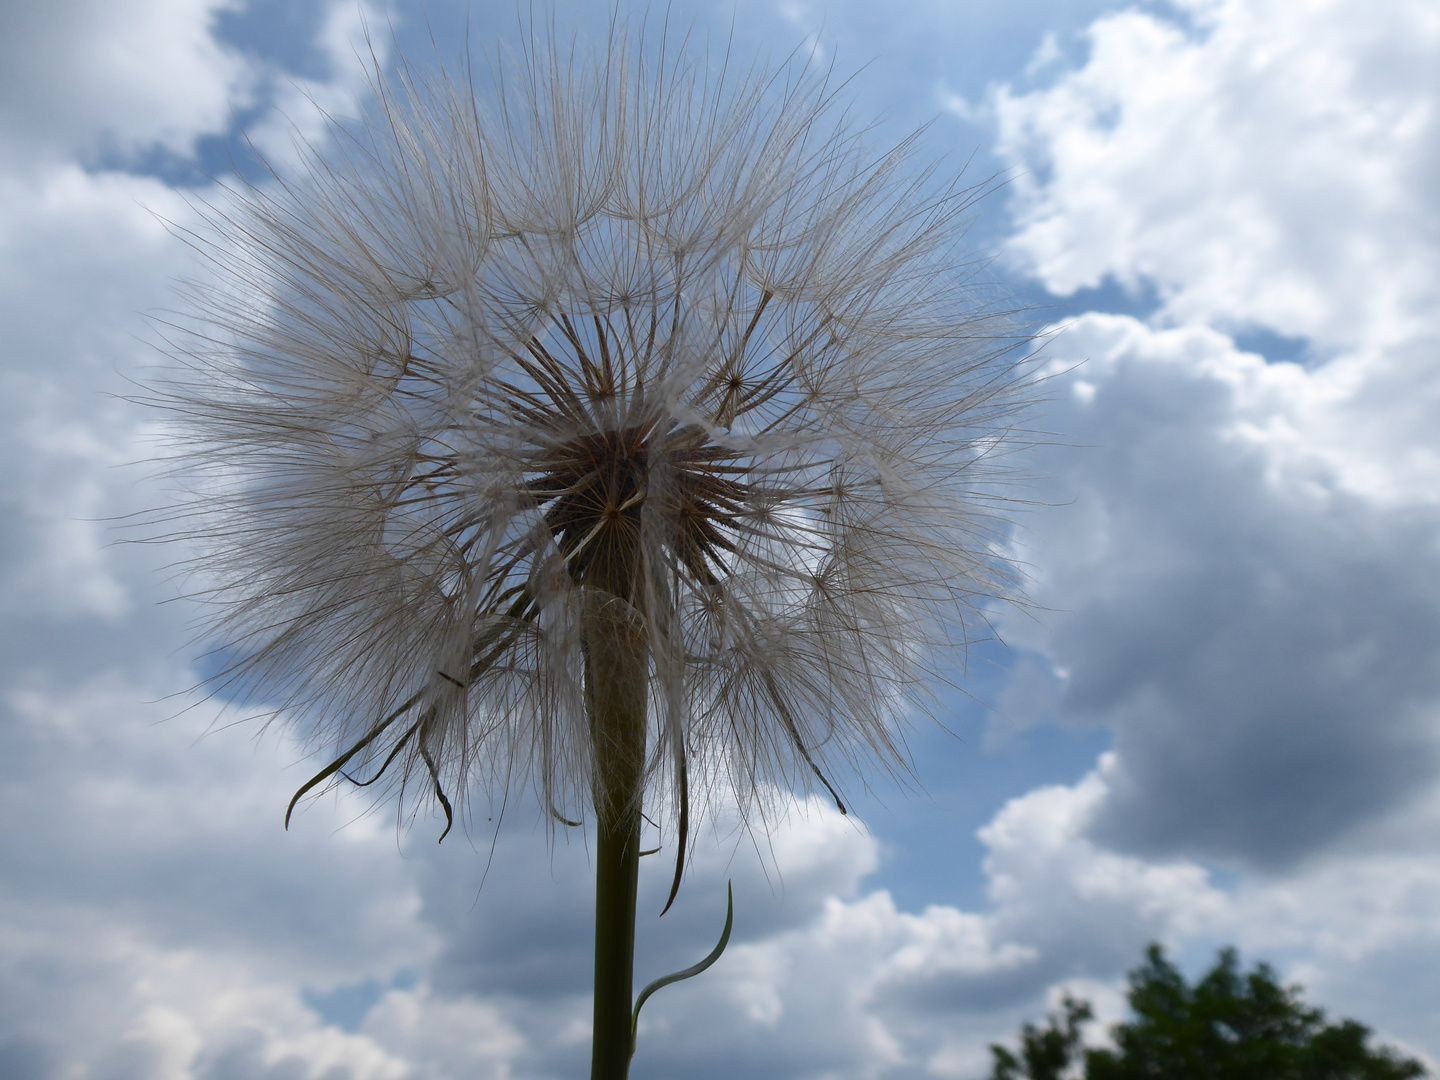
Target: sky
(1217, 721)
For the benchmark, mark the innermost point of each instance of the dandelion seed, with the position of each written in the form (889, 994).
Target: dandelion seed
(625, 431)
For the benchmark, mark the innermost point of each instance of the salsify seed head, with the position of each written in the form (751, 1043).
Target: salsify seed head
(619, 328)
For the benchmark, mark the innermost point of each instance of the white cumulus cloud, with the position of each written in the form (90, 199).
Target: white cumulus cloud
(1273, 162)
(87, 76)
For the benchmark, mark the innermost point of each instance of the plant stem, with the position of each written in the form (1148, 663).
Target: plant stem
(616, 671)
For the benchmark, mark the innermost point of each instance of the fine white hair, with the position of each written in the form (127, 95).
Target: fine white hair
(620, 322)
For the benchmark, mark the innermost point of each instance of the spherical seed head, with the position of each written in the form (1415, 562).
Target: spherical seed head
(618, 327)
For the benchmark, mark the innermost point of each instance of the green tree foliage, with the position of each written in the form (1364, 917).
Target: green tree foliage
(1045, 1052)
(1228, 1026)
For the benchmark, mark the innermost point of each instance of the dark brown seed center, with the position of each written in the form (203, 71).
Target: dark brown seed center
(595, 487)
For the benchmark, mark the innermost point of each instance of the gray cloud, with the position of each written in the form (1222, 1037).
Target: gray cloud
(1262, 641)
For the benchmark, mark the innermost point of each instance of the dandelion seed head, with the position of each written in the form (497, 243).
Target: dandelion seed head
(623, 329)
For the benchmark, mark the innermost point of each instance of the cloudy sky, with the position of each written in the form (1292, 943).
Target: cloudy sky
(1218, 721)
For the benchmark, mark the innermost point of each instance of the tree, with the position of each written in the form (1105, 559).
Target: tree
(1228, 1026)
(1045, 1052)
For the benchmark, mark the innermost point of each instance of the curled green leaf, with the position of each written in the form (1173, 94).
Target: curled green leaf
(690, 972)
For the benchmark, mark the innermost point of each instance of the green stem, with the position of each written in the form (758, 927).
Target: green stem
(616, 676)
